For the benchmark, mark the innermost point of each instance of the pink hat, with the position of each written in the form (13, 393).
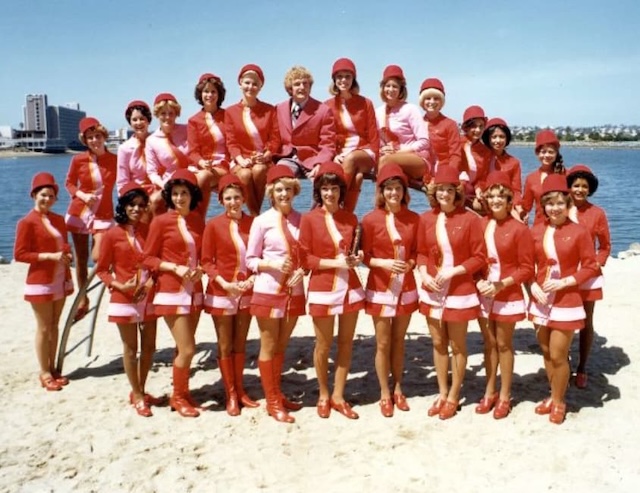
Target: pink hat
(44, 179)
(582, 171)
(393, 71)
(392, 170)
(87, 123)
(473, 112)
(226, 181)
(252, 68)
(547, 137)
(135, 103)
(186, 175)
(555, 183)
(277, 172)
(164, 96)
(330, 167)
(207, 76)
(343, 64)
(498, 178)
(447, 174)
(130, 186)
(432, 84)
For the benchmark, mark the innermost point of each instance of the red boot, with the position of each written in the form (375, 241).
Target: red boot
(278, 362)
(228, 378)
(274, 401)
(238, 366)
(179, 400)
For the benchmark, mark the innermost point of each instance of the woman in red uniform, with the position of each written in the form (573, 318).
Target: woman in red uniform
(444, 135)
(326, 237)
(120, 268)
(90, 182)
(357, 141)
(172, 250)
(497, 136)
(41, 242)
(389, 239)
(132, 164)
(475, 157)
(450, 250)
(565, 258)
(510, 264)
(582, 184)
(251, 130)
(548, 153)
(273, 253)
(228, 296)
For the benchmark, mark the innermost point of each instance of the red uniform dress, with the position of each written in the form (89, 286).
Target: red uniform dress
(121, 259)
(509, 254)
(595, 220)
(96, 175)
(446, 240)
(224, 252)
(565, 250)
(511, 166)
(390, 236)
(43, 233)
(173, 238)
(206, 139)
(251, 129)
(356, 126)
(474, 164)
(328, 236)
(532, 194)
(444, 136)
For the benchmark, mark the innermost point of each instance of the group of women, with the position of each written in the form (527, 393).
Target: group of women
(473, 253)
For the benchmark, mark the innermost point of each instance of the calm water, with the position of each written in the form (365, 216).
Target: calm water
(617, 170)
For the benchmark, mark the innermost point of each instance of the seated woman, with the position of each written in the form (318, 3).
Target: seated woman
(475, 157)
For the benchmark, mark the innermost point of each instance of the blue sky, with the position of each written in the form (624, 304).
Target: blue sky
(541, 62)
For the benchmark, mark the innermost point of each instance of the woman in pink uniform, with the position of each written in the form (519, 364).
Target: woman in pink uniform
(357, 141)
(273, 253)
(228, 296)
(404, 139)
(565, 258)
(389, 241)
(120, 269)
(41, 242)
(132, 164)
(475, 157)
(582, 184)
(251, 130)
(548, 152)
(326, 237)
(510, 264)
(497, 136)
(90, 182)
(444, 135)
(172, 250)
(450, 251)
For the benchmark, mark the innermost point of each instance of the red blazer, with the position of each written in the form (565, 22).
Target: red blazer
(79, 178)
(314, 136)
(444, 136)
(239, 141)
(595, 220)
(481, 155)
(532, 194)
(511, 166)
(363, 117)
(201, 143)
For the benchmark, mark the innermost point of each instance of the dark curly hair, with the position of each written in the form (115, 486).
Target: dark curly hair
(217, 83)
(127, 199)
(196, 193)
(328, 179)
(486, 135)
(146, 112)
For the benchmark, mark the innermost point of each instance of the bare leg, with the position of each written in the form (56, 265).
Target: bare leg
(382, 326)
(504, 336)
(224, 332)
(586, 337)
(488, 329)
(129, 336)
(440, 341)
(346, 329)
(323, 327)
(147, 351)
(399, 327)
(259, 178)
(81, 247)
(412, 164)
(458, 337)
(559, 345)
(183, 335)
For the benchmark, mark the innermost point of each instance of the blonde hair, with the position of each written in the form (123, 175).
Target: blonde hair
(99, 128)
(296, 72)
(549, 196)
(502, 190)
(287, 182)
(433, 187)
(354, 90)
(161, 106)
(403, 88)
(431, 91)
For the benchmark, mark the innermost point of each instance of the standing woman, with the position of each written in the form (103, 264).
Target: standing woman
(565, 258)
(132, 163)
(450, 251)
(90, 182)
(120, 269)
(357, 138)
(326, 237)
(475, 157)
(548, 153)
(41, 242)
(510, 264)
(582, 184)
(172, 251)
(251, 130)
(497, 136)
(273, 253)
(389, 241)
(228, 297)
(404, 139)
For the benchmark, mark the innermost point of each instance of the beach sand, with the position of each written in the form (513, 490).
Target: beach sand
(88, 438)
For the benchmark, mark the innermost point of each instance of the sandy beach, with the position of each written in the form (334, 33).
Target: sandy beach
(88, 438)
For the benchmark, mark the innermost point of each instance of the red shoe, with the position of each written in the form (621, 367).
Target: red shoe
(401, 402)
(324, 408)
(386, 407)
(581, 380)
(557, 414)
(544, 407)
(142, 408)
(486, 403)
(81, 311)
(449, 410)
(502, 409)
(49, 383)
(59, 378)
(153, 401)
(344, 408)
(436, 407)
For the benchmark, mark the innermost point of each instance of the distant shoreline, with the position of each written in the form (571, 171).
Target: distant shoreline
(634, 145)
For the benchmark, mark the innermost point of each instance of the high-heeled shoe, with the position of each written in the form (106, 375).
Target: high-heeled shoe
(142, 408)
(502, 409)
(401, 402)
(581, 380)
(558, 413)
(486, 403)
(324, 408)
(59, 378)
(344, 408)
(449, 410)
(436, 407)
(544, 407)
(49, 383)
(386, 407)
